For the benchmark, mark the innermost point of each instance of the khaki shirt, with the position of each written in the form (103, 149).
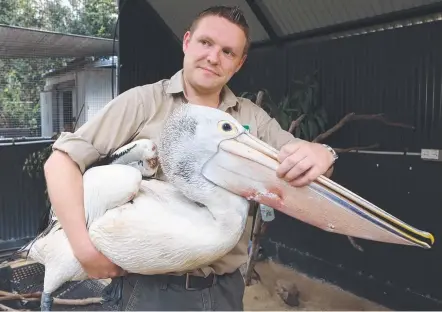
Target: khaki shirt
(139, 113)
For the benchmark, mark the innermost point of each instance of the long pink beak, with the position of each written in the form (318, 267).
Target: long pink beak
(247, 167)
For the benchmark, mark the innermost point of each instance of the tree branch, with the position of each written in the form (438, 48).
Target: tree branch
(353, 117)
(257, 229)
(4, 296)
(36, 296)
(73, 302)
(296, 123)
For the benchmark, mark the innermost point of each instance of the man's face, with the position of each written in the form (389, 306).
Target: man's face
(213, 53)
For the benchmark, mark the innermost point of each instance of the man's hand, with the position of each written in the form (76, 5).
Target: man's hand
(302, 162)
(96, 265)
(65, 188)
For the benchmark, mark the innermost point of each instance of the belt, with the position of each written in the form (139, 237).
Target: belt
(192, 282)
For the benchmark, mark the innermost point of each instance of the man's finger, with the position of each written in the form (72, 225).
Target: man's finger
(299, 169)
(306, 178)
(287, 150)
(288, 164)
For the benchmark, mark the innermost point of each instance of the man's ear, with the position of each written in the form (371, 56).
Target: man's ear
(186, 40)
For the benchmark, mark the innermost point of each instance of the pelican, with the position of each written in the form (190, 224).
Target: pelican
(212, 166)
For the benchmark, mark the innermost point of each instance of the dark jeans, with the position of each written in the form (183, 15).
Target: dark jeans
(142, 293)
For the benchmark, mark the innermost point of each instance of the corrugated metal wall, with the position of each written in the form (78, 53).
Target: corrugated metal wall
(393, 72)
(400, 277)
(149, 51)
(398, 73)
(22, 199)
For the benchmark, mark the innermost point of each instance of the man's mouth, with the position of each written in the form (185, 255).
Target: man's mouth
(209, 71)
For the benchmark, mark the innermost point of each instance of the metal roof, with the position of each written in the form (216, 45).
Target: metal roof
(17, 42)
(283, 19)
(294, 16)
(178, 15)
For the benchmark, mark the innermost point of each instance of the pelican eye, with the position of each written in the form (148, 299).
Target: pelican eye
(227, 127)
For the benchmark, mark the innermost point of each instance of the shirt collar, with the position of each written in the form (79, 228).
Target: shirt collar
(176, 86)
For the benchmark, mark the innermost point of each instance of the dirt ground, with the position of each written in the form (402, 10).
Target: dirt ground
(313, 294)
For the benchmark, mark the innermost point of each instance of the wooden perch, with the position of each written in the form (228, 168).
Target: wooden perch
(255, 247)
(4, 294)
(36, 296)
(353, 117)
(257, 225)
(73, 302)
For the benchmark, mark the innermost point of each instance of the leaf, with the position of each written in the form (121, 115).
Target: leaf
(285, 121)
(285, 102)
(304, 105)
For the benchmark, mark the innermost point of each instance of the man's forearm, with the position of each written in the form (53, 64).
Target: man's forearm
(65, 189)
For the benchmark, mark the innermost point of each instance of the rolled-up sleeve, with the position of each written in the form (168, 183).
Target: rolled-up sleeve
(113, 126)
(270, 131)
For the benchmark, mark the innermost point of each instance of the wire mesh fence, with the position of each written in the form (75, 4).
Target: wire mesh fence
(57, 64)
(57, 70)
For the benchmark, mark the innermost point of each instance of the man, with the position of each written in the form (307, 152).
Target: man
(215, 48)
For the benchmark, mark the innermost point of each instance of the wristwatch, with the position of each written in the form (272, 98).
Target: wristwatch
(332, 151)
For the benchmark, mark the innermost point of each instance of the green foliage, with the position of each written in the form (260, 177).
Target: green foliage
(34, 163)
(21, 80)
(300, 102)
(81, 17)
(98, 18)
(20, 85)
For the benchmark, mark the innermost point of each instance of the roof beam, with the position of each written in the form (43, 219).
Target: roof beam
(264, 20)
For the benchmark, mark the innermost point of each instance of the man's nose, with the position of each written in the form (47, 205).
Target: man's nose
(213, 56)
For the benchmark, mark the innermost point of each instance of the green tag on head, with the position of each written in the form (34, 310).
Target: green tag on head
(247, 127)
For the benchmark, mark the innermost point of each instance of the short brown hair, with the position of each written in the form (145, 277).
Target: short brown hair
(233, 14)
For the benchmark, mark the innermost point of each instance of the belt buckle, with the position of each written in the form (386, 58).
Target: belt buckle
(187, 282)
(192, 288)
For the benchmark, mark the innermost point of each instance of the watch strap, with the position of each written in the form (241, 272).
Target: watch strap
(332, 151)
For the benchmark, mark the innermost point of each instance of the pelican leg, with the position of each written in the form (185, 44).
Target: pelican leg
(46, 301)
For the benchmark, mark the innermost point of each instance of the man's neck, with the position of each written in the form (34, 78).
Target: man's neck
(212, 99)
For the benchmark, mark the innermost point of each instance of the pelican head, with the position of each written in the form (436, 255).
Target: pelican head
(191, 136)
(203, 149)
